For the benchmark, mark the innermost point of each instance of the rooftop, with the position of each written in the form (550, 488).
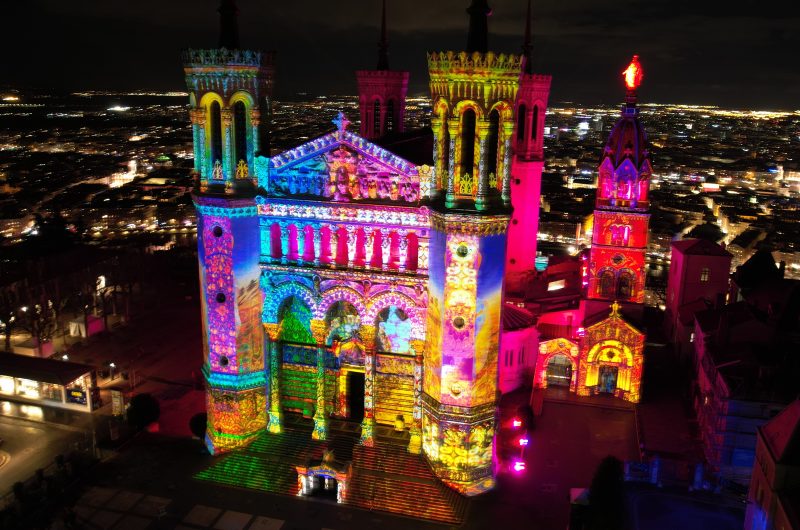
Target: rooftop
(42, 370)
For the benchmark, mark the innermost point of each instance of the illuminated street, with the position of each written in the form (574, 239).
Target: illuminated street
(32, 445)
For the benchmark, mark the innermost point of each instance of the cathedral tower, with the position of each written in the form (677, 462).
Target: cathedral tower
(473, 94)
(382, 93)
(526, 171)
(229, 94)
(619, 238)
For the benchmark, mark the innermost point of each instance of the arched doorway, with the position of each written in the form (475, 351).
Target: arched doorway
(607, 379)
(559, 370)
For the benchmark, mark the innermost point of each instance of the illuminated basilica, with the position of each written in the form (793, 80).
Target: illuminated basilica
(341, 281)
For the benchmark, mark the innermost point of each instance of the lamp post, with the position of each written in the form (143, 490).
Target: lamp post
(112, 366)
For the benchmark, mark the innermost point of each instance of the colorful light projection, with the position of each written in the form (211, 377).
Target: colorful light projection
(611, 358)
(231, 311)
(394, 331)
(558, 351)
(341, 167)
(460, 303)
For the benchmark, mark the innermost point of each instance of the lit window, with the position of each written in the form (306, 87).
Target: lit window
(704, 274)
(556, 285)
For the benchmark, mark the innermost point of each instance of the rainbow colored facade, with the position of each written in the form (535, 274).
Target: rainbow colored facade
(342, 281)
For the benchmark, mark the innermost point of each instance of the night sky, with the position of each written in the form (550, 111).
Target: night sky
(740, 53)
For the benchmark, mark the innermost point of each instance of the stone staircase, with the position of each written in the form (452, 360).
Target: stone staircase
(385, 478)
(389, 479)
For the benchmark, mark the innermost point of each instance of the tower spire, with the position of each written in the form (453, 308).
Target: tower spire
(527, 46)
(478, 36)
(228, 25)
(383, 45)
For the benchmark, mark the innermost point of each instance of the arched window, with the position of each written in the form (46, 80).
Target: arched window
(467, 142)
(521, 111)
(606, 287)
(535, 122)
(216, 133)
(390, 116)
(239, 132)
(491, 145)
(376, 118)
(625, 286)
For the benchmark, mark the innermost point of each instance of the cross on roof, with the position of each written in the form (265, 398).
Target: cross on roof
(341, 122)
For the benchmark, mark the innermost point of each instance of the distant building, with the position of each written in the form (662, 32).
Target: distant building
(746, 364)
(773, 501)
(698, 279)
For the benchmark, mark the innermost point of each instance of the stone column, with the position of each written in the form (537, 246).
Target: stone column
(228, 169)
(415, 443)
(198, 118)
(403, 250)
(450, 197)
(275, 424)
(320, 418)
(436, 124)
(483, 166)
(505, 186)
(369, 246)
(284, 226)
(351, 245)
(317, 234)
(368, 425)
(334, 244)
(386, 249)
(301, 243)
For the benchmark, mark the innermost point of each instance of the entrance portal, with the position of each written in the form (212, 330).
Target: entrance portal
(355, 396)
(607, 380)
(559, 371)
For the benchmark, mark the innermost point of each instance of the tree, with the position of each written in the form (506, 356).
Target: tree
(607, 496)
(197, 424)
(143, 410)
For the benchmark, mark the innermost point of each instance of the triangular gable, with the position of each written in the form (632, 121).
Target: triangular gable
(332, 141)
(614, 320)
(342, 166)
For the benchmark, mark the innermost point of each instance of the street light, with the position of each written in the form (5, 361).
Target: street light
(65, 357)
(112, 366)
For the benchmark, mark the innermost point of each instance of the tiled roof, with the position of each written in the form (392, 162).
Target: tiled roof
(782, 435)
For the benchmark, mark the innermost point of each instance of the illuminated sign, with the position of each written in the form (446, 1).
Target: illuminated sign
(76, 395)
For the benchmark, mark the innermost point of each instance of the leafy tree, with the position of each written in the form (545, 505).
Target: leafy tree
(607, 496)
(197, 424)
(143, 410)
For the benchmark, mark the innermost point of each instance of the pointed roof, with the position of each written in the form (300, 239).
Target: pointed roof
(228, 25)
(527, 46)
(782, 435)
(628, 140)
(383, 44)
(699, 247)
(757, 270)
(478, 36)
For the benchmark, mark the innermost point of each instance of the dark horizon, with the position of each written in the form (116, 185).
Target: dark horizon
(691, 54)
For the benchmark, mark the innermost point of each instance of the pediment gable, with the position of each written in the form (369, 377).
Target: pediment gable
(342, 166)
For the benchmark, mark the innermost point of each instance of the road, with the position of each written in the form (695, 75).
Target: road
(31, 445)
